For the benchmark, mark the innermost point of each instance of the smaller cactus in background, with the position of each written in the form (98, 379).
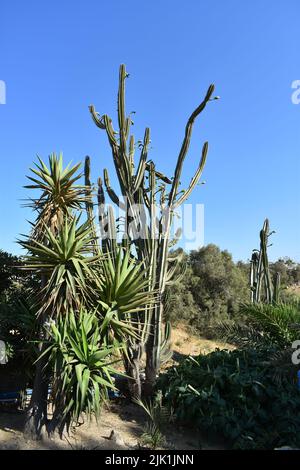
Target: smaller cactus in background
(261, 285)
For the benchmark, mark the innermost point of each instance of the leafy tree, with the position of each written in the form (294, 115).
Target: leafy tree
(218, 285)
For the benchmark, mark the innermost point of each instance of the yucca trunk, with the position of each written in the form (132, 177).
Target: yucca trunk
(36, 415)
(132, 368)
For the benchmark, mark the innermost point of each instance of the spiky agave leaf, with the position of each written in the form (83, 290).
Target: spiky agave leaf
(70, 275)
(123, 295)
(124, 283)
(82, 366)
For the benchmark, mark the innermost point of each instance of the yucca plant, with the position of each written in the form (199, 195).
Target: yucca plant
(82, 367)
(59, 196)
(75, 275)
(70, 277)
(59, 193)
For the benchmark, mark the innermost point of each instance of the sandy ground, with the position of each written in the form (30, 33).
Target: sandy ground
(188, 344)
(125, 419)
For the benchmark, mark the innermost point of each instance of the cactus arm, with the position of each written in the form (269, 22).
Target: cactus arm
(186, 143)
(159, 175)
(264, 234)
(87, 182)
(112, 194)
(101, 213)
(121, 108)
(142, 163)
(174, 241)
(110, 132)
(97, 120)
(195, 178)
(131, 152)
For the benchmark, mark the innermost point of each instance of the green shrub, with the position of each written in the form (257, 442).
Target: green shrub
(233, 393)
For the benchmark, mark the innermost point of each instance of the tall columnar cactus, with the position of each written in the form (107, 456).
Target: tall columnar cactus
(261, 285)
(149, 201)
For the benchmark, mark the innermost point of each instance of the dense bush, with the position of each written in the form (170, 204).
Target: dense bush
(214, 287)
(211, 290)
(234, 394)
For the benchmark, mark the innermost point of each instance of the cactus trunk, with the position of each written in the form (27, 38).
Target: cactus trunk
(142, 187)
(261, 285)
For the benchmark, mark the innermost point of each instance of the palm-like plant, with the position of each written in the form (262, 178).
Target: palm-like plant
(271, 325)
(123, 283)
(59, 195)
(82, 367)
(77, 276)
(71, 279)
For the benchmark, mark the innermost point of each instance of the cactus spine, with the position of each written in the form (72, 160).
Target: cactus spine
(157, 197)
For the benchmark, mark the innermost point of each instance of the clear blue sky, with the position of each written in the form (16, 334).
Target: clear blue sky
(58, 57)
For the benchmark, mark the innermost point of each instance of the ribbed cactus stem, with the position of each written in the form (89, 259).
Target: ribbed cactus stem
(261, 286)
(276, 288)
(141, 186)
(89, 203)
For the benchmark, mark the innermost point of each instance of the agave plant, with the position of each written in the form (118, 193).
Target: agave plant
(82, 365)
(123, 283)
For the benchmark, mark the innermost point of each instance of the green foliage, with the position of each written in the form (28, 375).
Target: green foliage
(211, 290)
(14, 283)
(59, 193)
(8, 271)
(267, 326)
(123, 283)
(264, 325)
(234, 394)
(275, 321)
(81, 364)
(62, 260)
(289, 271)
(153, 435)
